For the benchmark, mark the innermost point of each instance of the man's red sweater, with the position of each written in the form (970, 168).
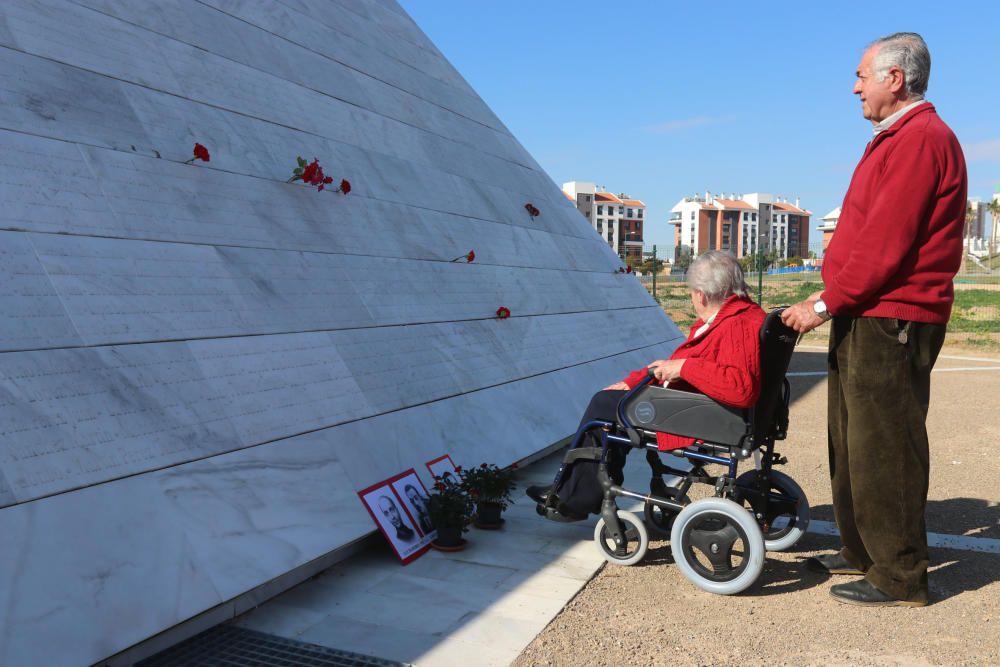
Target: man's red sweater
(723, 363)
(898, 242)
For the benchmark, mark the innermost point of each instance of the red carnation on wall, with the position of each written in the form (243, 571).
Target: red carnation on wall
(469, 257)
(503, 312)
(311, 173)
(629, 269)
(532, 210)
(200, 153)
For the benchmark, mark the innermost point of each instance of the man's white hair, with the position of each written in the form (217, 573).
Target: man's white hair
(908, 52)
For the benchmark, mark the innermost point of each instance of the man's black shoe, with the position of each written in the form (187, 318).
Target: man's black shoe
(865, 594)
(540, 494)
(831, 564)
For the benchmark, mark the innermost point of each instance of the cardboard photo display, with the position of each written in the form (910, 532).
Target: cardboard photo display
(444, 468)
(397, 516)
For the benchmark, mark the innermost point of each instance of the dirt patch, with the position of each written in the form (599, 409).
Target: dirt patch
(649, 614)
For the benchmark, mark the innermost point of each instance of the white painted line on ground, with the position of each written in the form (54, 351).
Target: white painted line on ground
(805, 374)
(940, 540)
(992, 360)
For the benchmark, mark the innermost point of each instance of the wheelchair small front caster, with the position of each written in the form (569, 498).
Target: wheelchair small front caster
(717, 545)
(636, 540)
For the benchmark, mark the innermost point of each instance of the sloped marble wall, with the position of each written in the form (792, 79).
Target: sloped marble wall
(201, 364)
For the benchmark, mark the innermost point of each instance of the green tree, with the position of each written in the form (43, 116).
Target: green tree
(683, 260)
(994, 208)
(649, 266)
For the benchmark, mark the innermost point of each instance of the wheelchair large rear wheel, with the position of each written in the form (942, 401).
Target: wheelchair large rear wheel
(786, 516)
(637, 540)
(718, 546)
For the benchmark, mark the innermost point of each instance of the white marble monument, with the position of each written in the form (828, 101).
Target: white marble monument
(200, 364)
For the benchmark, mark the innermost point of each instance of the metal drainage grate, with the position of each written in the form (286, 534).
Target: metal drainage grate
(233, 646)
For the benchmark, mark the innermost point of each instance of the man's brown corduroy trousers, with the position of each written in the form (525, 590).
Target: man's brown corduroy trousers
(879, 389)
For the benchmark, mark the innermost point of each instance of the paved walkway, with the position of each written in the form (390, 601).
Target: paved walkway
(479, 606)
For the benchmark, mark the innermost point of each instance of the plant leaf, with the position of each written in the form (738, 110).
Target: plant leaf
(301, 162)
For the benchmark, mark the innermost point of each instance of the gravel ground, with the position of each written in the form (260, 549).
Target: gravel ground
(649, 614)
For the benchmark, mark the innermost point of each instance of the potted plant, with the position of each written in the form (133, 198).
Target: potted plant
(490, 487)
(450, 509)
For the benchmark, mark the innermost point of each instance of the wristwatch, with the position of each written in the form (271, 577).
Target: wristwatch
(819, 307)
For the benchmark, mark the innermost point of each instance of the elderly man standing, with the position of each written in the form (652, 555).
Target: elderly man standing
(888, 287)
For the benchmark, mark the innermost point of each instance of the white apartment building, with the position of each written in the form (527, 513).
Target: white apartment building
(739, 224)
(617, 218)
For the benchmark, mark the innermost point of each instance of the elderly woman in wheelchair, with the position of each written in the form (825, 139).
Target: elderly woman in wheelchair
(723, 399)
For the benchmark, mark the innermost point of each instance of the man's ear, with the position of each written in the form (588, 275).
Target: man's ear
(897, 80)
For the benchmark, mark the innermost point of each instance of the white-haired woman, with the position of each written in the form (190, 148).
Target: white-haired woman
(720, 358)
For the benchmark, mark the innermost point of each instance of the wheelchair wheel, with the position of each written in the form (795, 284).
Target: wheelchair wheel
(785, 521)
(635, 534)
(660, 521)
(718, 546)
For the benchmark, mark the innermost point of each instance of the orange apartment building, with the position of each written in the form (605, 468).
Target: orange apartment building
(739, 224)
(617, 218)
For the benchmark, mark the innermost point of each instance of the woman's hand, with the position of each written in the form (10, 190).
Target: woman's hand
(617, 386)
(667, 370)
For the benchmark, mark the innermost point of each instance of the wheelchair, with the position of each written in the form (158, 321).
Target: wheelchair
(718, 542)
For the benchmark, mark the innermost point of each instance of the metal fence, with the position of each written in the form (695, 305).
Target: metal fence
(975, 318)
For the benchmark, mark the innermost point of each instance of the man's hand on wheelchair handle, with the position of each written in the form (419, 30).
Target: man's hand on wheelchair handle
(667, 370)
(802, 316)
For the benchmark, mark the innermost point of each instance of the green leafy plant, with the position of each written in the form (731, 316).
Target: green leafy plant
(488, 483)
(449, 504)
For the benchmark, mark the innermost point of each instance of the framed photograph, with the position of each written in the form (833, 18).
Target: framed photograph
(444, 468)
(412, 492)
(393, 518)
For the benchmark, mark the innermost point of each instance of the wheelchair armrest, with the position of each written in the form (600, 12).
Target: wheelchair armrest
(687, 414)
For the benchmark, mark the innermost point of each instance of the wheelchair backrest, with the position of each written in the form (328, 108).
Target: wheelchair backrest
(777, 342)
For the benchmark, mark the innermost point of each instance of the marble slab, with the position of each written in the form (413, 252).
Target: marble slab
(109, 566)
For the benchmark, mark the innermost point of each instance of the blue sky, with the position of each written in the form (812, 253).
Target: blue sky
(664, 99)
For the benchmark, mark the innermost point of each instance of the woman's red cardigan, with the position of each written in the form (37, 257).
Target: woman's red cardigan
(723, 363)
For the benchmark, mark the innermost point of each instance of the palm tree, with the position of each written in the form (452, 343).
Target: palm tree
(994, 208)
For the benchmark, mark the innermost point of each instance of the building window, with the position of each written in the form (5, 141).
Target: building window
(600, 226)
(640, 214)
(600, 210)
(753, 217)
(628, 225)
(629, 214)
(621, 209)
(586, 198)
(692, 215)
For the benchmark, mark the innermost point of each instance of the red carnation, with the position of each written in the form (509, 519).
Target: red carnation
(629, 269)
(200, 153)
(471, 257)
(531, 209)
(439, 486)
(345, 186)
(503, 312)
(458, 468)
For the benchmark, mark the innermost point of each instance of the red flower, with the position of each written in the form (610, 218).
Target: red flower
(345, 186)
(201, 152)
(484, 466)
(531, 209)
(503, 312)
(629, 269)
(458, 468)
(471, 257)
(438, 485)
(309, 171)
(328, 180)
